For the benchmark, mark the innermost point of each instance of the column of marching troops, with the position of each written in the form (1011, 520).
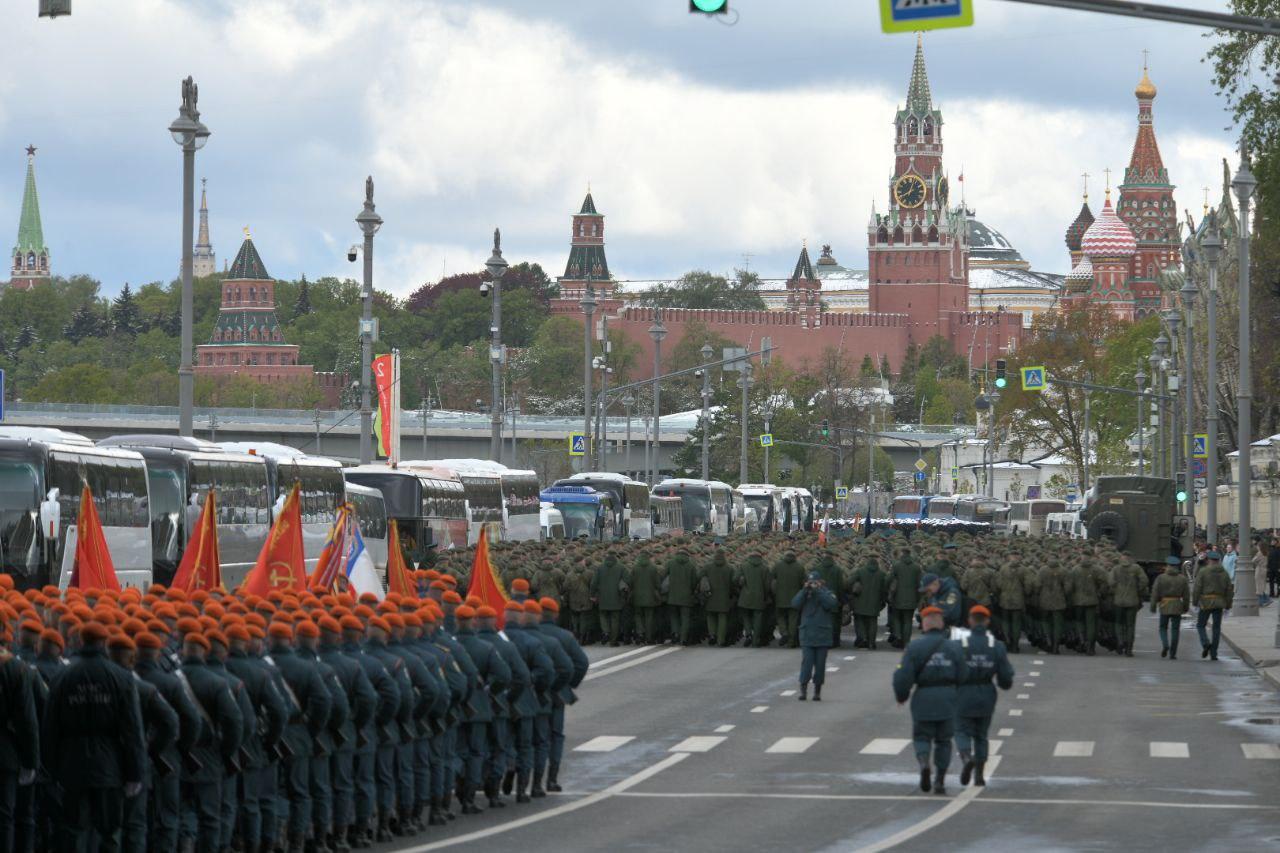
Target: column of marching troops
(1055, 592)
(295, 721)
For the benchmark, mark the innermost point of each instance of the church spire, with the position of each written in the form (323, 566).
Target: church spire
(203, 262)
(30, 254)
(202, 240)
(919, 100)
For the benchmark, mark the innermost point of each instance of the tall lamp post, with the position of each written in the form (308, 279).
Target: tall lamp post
(1188, 293)
(1159, 356)
(995, 443)
(1246, 593)
(369, 222)
(745, 382)
(497, 266)
(188, 131)
(1211, 245)
(657, 331)
(1140, 379)
(628, 401)
(1173, 317)
(588, 304)
(707, 352)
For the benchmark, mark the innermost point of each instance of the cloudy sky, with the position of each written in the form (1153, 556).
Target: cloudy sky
(703, 142)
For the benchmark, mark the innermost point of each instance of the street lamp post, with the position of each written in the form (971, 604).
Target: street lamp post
(497, 267)
(1140, 379)
(1188, 293)
(745, 382)
(369, 222)
(1157, 360)
(1173, 317)
(1246, 593)
(657, 331)
(188, 131)
(628, 401)
(707, 352)
(588, 304)
(1211, 245)
(991, 477)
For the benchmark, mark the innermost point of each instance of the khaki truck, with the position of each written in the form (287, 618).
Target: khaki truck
(1138, 514)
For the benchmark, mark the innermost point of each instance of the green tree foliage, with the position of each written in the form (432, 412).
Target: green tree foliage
(126, 316)
(702, 289)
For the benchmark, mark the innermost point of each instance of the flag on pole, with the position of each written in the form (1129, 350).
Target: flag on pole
(484, 580)
(334, 554)
(822, 531)
(281, 562)
(93, 568)
(399, 578)
(201, 566)
(361, 573)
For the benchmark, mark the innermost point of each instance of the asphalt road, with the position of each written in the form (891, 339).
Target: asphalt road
(707, 749)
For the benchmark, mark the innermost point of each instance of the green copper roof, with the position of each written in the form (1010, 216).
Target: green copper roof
(30, 234)
(918, 98)
(587, 262)
(248, 265)
(588, 206)
(804, 270)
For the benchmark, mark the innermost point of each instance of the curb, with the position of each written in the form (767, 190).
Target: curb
(1269, 669)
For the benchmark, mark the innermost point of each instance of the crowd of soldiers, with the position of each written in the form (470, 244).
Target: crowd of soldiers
(1056, 593)
(214, 721)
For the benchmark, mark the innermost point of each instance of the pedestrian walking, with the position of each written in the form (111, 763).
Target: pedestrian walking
(931, 669)
(1171, 598)
(817, 607)
(1213, 594)
(985, 659)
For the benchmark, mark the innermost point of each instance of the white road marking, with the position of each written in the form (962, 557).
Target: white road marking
(1261, 750)
(760, 709)
(725, 729)
(833, 669)
(1034, 673)
(908, 798)
(604, 743)
(698, 743)
(1024, 695)
(993, 746)
(589, 800)
(850, 657)
(792, 744)
(1028, 684)
(608, 661)
(886, 746)
(1169, 804)
(1005, 733)
(1073, 749)
(1015, 712)
(787, 693)
(950, 809)
(1169, 749)
(1038, 662)
(628, 664)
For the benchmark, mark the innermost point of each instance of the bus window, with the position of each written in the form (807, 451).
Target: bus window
(19, 500)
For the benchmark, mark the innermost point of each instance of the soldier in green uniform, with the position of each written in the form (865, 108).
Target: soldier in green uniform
(1084, 579)
(719, 598)
(645, 597)
(868, 588)
(788, 578)
(903, 597)
(608, 586)
(580, 605)
(931, 669)
(680, 586)
(1053, 603)
(1213, 594)
(1010, 593)
(752, 581)
(985, 659)
(1171, 598)
(1130, 589)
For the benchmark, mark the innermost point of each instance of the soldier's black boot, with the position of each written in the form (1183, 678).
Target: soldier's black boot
(537, 790)
(940, 782)
(491, 791)
(817, 692)
(966, 772)
(383, 833)
(338, 841)
(508, 779)
(804, 692)
(924, 778)
(978, 778)
(553, 784)
(447, 806)
(522, 788)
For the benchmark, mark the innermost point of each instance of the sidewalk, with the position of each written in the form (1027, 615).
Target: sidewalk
(1254, 639)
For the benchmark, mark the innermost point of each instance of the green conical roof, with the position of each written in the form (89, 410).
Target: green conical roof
(30, 233)
(919, 100)
(804, 269)
(248, 265)
(588, 206)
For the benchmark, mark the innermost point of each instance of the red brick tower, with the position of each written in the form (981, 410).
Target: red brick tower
(804, 292)
(586, 254)
(919, 259)
(1147, 207)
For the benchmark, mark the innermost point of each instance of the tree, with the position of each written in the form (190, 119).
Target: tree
(702, 289)
(84, 323)
(126, 317)
(302, 305)
(80, 383)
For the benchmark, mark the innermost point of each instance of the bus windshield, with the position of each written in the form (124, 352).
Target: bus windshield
(579, 519)
(763, 505)
(167, 504)
(19, 497)
(906, 506)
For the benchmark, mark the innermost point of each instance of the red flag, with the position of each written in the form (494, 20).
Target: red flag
(399, 578)
(484, 580)
(332, 557)
(201, 566)
(92, 568)
(281, 562)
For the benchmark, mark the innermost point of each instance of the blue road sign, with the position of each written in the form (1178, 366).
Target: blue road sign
(920, 476)
(1033, 378)
(1199, 467)
(1200, 445)
(766, 440)
(900, 16)
(577, 444)
(842, 493)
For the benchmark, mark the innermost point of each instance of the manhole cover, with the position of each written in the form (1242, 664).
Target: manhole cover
(1263, 721)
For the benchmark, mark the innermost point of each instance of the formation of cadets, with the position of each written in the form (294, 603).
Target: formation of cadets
(1055, 593)
(213, 721)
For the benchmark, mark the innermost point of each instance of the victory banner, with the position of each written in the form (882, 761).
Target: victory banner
(386, 420)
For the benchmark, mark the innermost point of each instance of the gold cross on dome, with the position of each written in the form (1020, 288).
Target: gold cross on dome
(1086, 185)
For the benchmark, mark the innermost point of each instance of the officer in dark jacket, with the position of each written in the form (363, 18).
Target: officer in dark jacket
(413, 772)
(495, 676)
(92, 744)
(444, 737)
(904, 595)
(164, 807)
(541, 674)
(307, 637)
(933, 665)
(19, 735)
(221, 730)
(817, 607)
(520, 703)
(270, 715)
(443, 638)
(563, 666)
(387, 689)
(578, 657)
(219, 649)
(311, 697)
(362, 702)
(377, 635)
(985, 658)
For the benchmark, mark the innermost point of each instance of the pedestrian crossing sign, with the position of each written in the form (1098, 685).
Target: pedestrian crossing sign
(577, 444)
(905, 16)
(842, 493)
(766, 440)
(955, 473)
(1033, 378)
(1200, 446)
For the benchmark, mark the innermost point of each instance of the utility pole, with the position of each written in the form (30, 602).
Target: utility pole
(497, 266)
(1188, 293)
(426, 402)
(1084, 487)
(588, 304)
(188, 131)
(1140, 379)
(628, 401)
(657, 331)
(707, 352)
(745, 381)
(1246, 594)
(1211, 245)
(369, 222)
(317, 419)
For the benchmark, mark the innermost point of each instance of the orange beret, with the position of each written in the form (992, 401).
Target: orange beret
(364, 611)
(6, 582)
(265, 607)
(368, 598)
(32, 625)
(238, 632)
(513, 605)
(449, 579)
(388, 607)
(121, 641)
(451, 597)
(215, 635)
(328, 623)
(465, 611)
(198, 596)
(307, 628)
(214, 609)
(255, 632)
(134, 626)
(187, 610)
(157, 627)
(380, 623)
(281, 630)
(392, 598)
(484, 611)
(532, 606)
(175, 594)
(432, 575)
(520, 585)
(49, 635)
(439, 584)
(198, 639)
(255, 619)
(427, 615)
(148, 640)
(475, 601)
(93, 631)
(346, 599)
(931, 611)
(550, 604)
(979, 610)
(351, 623)
(395, 620)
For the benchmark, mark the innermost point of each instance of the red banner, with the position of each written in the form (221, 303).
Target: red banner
(93, 568)
(384, 383)
(485, 582)
(201, 566)
(281, 562)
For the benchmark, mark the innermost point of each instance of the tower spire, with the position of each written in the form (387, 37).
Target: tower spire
(919, 99)
(203, 261)
(30, 254)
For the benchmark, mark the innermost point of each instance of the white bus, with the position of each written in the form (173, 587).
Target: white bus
(483, 492)
(371, 517)
(519, 488)
(42, 473)
(1028, 518)
(630, 500)
(766, 500)
(551, 520)
(428, 505)
(707, 505)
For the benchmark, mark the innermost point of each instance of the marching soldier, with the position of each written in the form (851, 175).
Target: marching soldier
(645, 597)
(1129, 591)
(788, 580)
(681, 579)
(719, 598)
(494, 676)
(550, 608)
(931, 669)
(1213, 594)
(19, 735)
(1171, 598)
(904, 595)
(753, 582)
(221, 729)
(541, 675)
(314, 704)
(362, 703)
(868, 588)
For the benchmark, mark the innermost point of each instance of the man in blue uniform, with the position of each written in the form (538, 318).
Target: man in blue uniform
(985, 659)
(931, 668)
(578, 657)
(944, 594)
(817, 607)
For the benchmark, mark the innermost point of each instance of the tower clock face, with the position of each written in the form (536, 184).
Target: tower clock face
(909, 191)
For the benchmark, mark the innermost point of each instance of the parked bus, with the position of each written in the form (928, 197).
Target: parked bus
(1028, 518)
(989, 510)
(180, 472)
(910, 507)
(588, 513)
(745, 519)
(323, 489)
(483, 491)
(42, 472)
(707, 506)
(630, 500)
(804, 508)
(429, 508)
(519, 491)
(551, 520)
(766, 500)
(371, 517)
(667, 514)
(941, 506)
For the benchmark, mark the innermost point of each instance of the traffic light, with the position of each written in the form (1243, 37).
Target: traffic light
(1001, 366)
(1181, 486)
(826, 428)
(709, 7)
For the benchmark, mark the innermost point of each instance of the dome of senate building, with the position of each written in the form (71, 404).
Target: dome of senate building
(1108, 236)
(1075, 232)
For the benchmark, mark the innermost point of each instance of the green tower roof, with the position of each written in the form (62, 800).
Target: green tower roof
(919, 100)
(30, 233)
(248, 264)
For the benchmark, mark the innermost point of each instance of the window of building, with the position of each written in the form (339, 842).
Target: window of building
(253, 294)
(913, 128)
(235, 358)
(221, 359)
(31, 260)
(271, 358)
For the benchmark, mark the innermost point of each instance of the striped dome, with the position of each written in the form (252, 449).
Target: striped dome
(1080, 279)
(1108, 237)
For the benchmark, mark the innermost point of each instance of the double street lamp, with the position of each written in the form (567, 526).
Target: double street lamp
(588, 303)
(1188, 293)
(1211, 245)
(189, 132)
(369, 222)
(1246, 594)
(1140, 379)
(657, 331)
(707, 352)
(497, 267)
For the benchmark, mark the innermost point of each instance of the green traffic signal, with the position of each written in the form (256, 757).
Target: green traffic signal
(1181, 496)
(709, 7)
(1001, 382)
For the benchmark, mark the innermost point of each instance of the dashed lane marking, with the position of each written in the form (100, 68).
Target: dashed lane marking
(913, 797)
(1038, 662)
(1261, 750)
(1015, 712)
(630, 663)
(792, 744)
(608, 661)
(886, 746)
(787, 693)
(1005, 733)
(850, 657)
(993, 746)
(1169, 749)
(725, 729)
(760, 709)
(1028, 684)
(1024, 695)
(833, 669)
(1073, 749)
(1033, 674)
(604, 743)
(698, 743)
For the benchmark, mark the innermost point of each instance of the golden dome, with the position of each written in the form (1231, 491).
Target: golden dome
(1146, 89)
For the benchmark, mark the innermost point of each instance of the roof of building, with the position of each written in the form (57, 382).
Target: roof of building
(1145, 89)
(1108, 236)
(988, 244)
(919, 98)
(588, 206)
(804, 269)
(30, 232)
(1080, 278)
(248, 264)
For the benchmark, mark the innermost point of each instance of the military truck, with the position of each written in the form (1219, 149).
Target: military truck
(1138, 514)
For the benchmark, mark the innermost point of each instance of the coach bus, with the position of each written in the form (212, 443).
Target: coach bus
(1030, 518)
(667, 514)
(519, 493)
(429, 508)
(588, 513)
(630, 500)
(483, 492)
(766, 500)
(180, 472)
(941, 506)
(910, 507)
(371, 517)
(988, 510)
(323, 489)
(42, 472)
(707, 504)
